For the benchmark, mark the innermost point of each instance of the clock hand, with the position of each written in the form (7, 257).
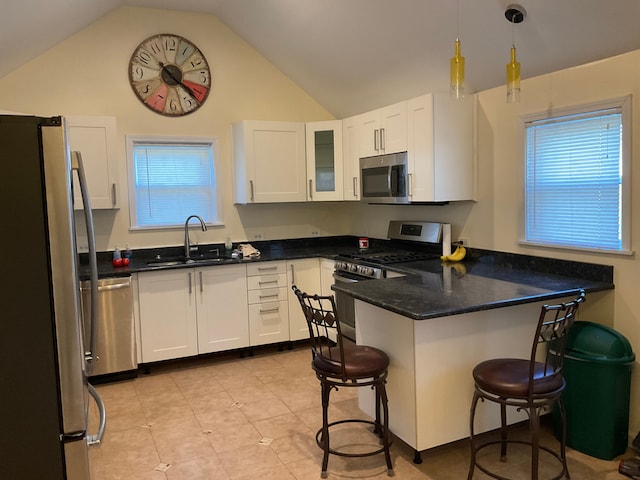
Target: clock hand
(178, 81)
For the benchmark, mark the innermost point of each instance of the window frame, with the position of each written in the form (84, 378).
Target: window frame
(624, 105)
(132, 140)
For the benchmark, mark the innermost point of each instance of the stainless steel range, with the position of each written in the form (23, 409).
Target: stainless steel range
(369, 264)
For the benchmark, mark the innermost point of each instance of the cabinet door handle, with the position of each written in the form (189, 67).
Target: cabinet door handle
(375, 140)
(382, 142)
(114, 201)
(201, 284)
(410, 182)
(293, 275)
(355, 187)
(190, 289)
(310, 188)
(251, 189)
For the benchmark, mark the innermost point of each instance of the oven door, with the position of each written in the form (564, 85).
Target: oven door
(345, 305)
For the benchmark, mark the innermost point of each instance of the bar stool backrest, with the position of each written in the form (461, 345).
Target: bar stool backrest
(553, 326)
(322, 320)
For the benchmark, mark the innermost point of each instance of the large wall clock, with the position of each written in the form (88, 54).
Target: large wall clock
(169, 75)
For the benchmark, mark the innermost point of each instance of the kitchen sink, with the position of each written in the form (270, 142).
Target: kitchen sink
(160, 261)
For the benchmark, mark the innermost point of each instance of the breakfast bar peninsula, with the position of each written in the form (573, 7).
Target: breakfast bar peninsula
(439, 320)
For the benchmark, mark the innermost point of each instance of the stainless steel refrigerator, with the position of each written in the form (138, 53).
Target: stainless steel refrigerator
(44, 397)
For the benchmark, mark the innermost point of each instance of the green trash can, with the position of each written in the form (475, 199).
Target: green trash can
(597, 369)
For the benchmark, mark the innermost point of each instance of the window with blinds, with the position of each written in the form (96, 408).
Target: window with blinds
(575, 187)
(171, 181)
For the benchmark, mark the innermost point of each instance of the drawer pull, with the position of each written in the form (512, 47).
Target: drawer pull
(268, 296)
(267, 282)
(277, 309)
(262, 269)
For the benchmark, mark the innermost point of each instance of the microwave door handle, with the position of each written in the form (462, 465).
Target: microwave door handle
(76, 159)
(393, 182)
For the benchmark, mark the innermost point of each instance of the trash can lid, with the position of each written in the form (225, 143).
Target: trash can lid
(592, 341)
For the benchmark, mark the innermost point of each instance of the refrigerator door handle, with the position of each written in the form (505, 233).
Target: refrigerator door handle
(96, 439)
(76, 164)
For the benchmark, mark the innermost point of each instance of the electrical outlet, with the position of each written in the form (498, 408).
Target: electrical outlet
(463, 241)
(258, 236)
(315, 233)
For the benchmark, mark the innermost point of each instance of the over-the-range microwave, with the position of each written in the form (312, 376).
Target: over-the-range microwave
(383, 178)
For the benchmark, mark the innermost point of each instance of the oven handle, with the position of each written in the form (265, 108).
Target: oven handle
(342, 279)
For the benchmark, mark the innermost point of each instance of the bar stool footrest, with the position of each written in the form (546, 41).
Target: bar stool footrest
(346, 454)
(562, 474)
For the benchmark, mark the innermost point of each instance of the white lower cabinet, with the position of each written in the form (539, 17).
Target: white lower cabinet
(327, 267)
(168, 325)
(268, 306)
(222, 308)
(305, 274)
(185, 312)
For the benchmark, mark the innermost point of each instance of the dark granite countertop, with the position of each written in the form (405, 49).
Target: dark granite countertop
(486, 280)
(146, 260)
(428, 289)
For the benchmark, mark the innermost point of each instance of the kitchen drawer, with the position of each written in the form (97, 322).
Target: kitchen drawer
(267, 295)
(266, 268)
(267, 281)
(268, 323)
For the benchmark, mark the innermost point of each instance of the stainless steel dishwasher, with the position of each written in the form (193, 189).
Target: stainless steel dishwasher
(116, 345)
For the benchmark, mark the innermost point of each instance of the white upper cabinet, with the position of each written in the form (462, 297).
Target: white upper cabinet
(440, 148)
(95, 139)
(324, 160)
(383, 130)
(269, 162)
(351, 158)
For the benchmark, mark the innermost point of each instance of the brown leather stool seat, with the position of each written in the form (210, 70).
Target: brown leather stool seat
(359, 362)
(339, 364)
(530, 385)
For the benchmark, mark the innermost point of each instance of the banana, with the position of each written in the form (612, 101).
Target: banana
(456, 256)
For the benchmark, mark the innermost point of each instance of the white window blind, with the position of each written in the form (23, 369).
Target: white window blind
(173, 181)
(574, 179)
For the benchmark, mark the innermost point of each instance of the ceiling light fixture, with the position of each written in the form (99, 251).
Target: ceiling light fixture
(515, 14)
(456, 89)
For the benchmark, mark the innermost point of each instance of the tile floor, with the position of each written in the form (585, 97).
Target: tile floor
(230, 418)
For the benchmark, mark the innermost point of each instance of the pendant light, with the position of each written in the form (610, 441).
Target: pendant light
(456, 86)
(515, 14)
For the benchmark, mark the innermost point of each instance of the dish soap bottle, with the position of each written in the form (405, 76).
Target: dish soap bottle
(228, 246)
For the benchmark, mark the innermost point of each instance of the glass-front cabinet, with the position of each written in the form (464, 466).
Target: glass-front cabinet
(324, 160)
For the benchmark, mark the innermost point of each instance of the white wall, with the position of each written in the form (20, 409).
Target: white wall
(88, 75)
(496, 221)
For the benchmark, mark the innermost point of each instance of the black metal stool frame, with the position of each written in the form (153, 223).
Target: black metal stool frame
(320, 313)
(553, 325)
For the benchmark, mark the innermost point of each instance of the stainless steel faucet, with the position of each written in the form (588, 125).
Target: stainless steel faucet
(187, 243)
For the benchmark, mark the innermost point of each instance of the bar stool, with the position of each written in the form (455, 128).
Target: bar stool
(338, 364)
(530, 385)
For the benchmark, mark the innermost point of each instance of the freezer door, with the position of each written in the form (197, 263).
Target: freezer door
(64, 281)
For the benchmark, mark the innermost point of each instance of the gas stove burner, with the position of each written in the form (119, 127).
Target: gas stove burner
(385, 257)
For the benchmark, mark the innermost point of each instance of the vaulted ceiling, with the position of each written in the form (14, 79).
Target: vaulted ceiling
(356, 55)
